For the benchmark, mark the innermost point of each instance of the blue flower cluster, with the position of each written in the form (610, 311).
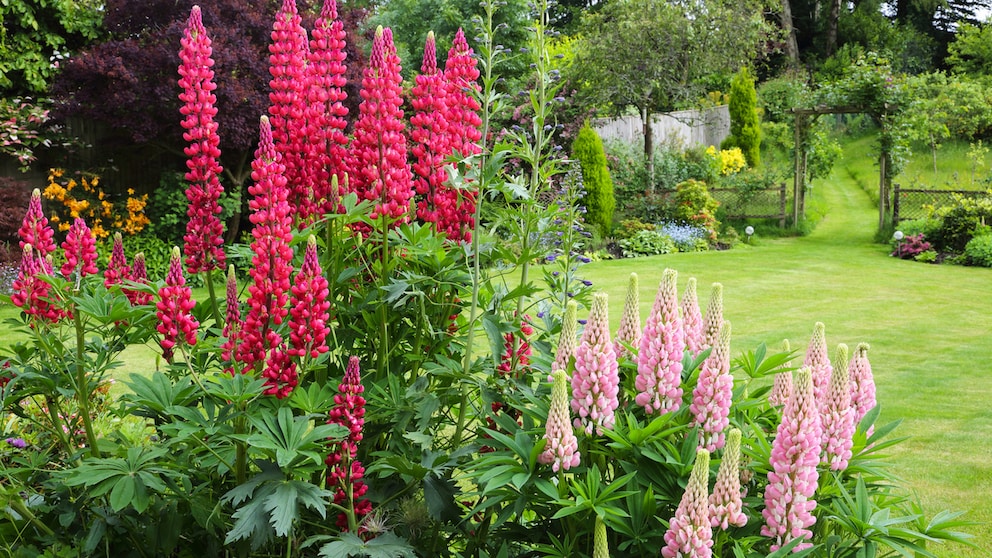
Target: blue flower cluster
(687, 238)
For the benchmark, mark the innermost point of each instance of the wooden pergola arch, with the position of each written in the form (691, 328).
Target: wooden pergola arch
(805, 117)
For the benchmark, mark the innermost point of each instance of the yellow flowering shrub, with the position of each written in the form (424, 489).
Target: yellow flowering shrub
(731, 161)
(104, 213)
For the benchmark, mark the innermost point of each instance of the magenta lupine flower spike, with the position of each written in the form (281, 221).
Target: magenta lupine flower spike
(380, 171)
(80, 250)
(714, 317)
(568, 339)
(430, 140)
(818, 361)
(711, 398)
(204, 232)
(308, 307)
(464, 125)
(36, 231)
(659, 356)
(326, 112)
(690, 534)
(272, 260)
(630, 321)
(838, 416)
(288, 102)
(792, 481)
(725, 502)
(692, 319)
(862, 384)
(233, 323)
(138, 274)
(562, 451)
(30, 293)
(175, 322)
(117, 269)
(345, 475)
(782, 384)
(596, 381)
(600, 546)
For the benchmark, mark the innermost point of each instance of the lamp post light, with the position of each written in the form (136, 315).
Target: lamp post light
(749, 230)
(898, 236)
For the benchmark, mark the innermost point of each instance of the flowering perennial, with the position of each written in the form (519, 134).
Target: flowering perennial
(567, 340)
(175, 322)
(690, 534)
(629, 333)
(600, 546)
(346, 472)
(782, 384)
(714, 318)
(308, 306)
(36, 231)
(659, 356)
(138, 274)
(430, 139)
(711, 398)
(725, 502)
(838, 416)
(516, 351)
(80, 251)
(380, 171)
(596, 381)
(325, 109)
(562, 451)
(30, 292)
(692, 319)
(792, 481)
(204, 232)
(862, 383)
(233, 322)
(117, 269)
(818, 361)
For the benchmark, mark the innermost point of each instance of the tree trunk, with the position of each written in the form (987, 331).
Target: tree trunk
(791, 46)
(648, 144)
(832, 22)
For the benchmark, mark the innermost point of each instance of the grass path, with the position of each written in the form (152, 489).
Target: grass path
(928, 326)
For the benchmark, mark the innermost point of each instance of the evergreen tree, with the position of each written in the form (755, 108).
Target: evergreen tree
(588, 150)
(745, 127)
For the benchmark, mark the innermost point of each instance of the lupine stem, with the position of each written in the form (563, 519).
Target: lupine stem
(208, 278)
(82, 388)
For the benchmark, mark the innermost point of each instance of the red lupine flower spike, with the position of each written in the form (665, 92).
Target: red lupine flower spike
(138, 274)
(308, 307)
(345, 470)
(117, 269)
(175, 321)
(35, 229)
(80, 250)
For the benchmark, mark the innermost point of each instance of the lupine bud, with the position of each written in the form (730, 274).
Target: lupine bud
(308, 306)
(818, 360)
(562, 451)
(714, 318)
(793, 477)
(838, 416)
(138, 274)
(692, 319)
(80, 250)
(233, 323)
(725, 502)
(596, 381)
(711, 398)
(175, 321)
(516, 351)
(568, 339)
(117, 269)
(600, 546)
(659, 356)
(690, 534)
(782, 384)
(862, 385)
(630, 321)
(345, 470)
(204, 232)
(36, 231)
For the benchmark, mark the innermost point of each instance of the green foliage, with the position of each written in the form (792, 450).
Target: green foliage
(630, 227)
(36, 35)
(588, 150)
(26, 129)
(867, 28)
(941, 106)
(960, 223)
(971, 50)
(978, 251)
(745, 128)
(167, 206)
(695, 205)
(647, 243)
(156, 250)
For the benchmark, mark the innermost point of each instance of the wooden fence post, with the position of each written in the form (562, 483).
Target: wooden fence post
(781, 205)
(895, 205)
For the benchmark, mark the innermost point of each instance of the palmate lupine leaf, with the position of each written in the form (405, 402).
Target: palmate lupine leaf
(383, 546)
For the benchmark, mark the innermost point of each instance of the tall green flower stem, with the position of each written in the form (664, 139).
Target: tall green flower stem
(82, 385)
(489, 166)
(209, 280)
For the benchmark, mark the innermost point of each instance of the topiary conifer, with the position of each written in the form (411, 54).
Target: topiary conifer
(587, 149)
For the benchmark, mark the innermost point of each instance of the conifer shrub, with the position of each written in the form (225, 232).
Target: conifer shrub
(745, 126)
(588, 150)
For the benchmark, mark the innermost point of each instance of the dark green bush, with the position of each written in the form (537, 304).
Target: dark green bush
(959, 224)
(156, 250)
(647, 243)
(630, 227)
(588, 150)
(979, 251)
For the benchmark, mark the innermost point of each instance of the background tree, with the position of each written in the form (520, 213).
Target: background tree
(37, 34)
(745, 126)
(655, 55)
(587, 149)
(971, 50)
